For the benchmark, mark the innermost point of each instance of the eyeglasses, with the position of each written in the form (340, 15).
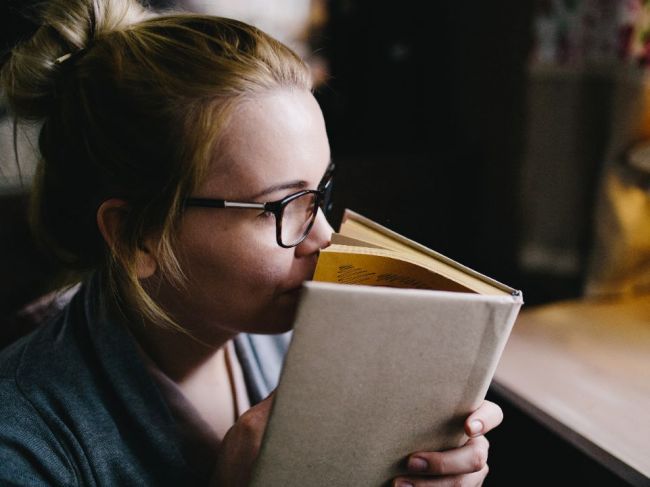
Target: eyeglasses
(295, 214)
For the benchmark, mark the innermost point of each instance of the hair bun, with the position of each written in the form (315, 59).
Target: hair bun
(28, 77)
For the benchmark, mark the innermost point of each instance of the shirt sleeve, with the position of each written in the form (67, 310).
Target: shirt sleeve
(30, 454)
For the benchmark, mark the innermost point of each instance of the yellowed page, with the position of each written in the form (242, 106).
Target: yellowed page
(359, 231)
(374, 267)
(337, 238)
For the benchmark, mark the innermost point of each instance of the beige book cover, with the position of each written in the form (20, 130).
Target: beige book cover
(374, 372)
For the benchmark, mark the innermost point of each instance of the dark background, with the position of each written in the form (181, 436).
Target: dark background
(426, 113)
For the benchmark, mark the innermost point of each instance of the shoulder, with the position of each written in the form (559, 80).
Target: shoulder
(30, 453)
(42, 358)
(77, 406)
(34, 372)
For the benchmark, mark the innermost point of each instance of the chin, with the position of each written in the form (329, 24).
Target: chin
(279, 319)
(274, 329)
(268, 327)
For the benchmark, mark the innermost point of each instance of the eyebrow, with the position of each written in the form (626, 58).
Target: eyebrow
(298, 184)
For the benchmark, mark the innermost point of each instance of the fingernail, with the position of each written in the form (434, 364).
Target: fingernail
(417, 464)
(475, 427)
(403, 483)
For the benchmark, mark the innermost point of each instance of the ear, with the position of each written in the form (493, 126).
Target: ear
(110, 216)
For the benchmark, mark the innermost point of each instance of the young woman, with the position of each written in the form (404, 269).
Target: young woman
(184, 162)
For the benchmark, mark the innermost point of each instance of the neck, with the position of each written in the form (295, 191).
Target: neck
(176, 353)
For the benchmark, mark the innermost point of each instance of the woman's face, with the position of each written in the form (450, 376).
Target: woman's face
(239, 278)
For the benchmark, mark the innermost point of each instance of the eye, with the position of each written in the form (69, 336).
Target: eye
(265, 214)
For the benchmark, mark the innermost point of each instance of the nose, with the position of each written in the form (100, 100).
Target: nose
(319, 237)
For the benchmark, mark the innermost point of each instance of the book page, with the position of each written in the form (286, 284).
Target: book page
(426, 257)
(378, 267)
(339, 239)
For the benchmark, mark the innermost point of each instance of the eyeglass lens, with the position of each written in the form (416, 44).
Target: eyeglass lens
(298, 217)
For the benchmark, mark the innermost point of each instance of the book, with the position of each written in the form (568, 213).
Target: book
(394, 345)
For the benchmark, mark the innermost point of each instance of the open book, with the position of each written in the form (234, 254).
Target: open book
(394, 345)
(364, 252)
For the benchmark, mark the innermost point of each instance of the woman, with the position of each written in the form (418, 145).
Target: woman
(152, 127)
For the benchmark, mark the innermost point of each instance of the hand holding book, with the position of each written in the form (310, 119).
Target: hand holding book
(241, 444)
(466, 465)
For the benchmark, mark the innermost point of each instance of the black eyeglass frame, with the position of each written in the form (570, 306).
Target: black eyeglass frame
(277, 207)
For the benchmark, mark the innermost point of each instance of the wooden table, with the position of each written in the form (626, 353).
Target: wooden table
(582, 368)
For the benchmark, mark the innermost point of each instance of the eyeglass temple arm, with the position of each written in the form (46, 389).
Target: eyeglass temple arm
(211, 203)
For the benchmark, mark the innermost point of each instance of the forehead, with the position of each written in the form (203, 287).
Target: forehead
(271, 138)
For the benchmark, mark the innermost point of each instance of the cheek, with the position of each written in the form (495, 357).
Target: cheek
(243, 290)
(237, 260)
(237, 279)
(259, 272)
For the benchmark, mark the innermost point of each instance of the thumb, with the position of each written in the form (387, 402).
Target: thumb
(266, 403)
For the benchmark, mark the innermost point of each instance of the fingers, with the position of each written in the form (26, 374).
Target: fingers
(241, 445)
(464, 466)
(474, 479)
(253, 421)
(471, 457)
(488, 416)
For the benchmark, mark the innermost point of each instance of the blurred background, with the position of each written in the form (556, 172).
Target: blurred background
(510, 136)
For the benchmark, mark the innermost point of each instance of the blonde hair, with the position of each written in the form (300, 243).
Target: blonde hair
(135, 112)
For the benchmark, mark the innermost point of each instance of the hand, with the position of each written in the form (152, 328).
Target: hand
(463, 466)
(241, 445)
